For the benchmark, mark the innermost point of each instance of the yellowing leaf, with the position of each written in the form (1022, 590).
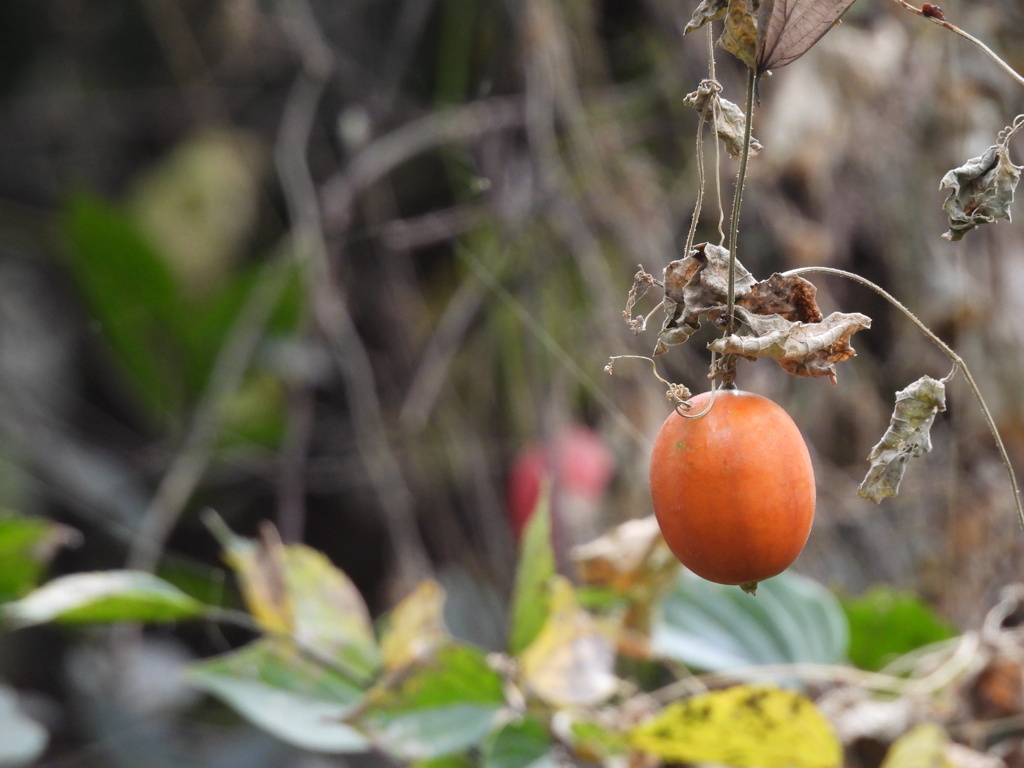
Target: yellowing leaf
(921, 747)
(908, 436)
(259, 566)
(416, 628)
(197, 206)
(740, 35)
(746, 726)
(571, 661)
(330, 615)
(296, 592)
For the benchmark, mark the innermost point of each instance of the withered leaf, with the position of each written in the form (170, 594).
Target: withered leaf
(740, 35)
(791, 296)
(728, 121)
(787, 29)
(908, 436)
(983, 190)
(694, 286)
(708, 10)
(802, 349)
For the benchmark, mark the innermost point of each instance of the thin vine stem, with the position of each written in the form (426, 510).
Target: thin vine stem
(938, 18)
(734, 222)
(958, 362)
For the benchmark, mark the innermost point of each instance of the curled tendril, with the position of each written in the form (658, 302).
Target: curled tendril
(1008, 132)
(677, 393)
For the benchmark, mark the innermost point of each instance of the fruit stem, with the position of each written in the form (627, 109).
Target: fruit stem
(952, 355)
(734, 222)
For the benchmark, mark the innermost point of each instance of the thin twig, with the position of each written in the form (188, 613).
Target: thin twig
(952, 355)
(330, 310)
(383, 155)
(557, 351)
(718, 144)
(938, 18)
(190, 463)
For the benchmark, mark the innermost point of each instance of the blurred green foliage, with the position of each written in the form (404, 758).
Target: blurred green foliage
(886, 623)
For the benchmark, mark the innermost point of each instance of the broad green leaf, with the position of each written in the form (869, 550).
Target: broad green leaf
(746, 726)
(416, 627)
(439, 706)
(572, 659)
(104, 597)
(713, 627)
(536, 568)
(167, 338)
(296, 591)
(923, 746)
(22, 739)
(522, 744)
(886, 623)
(288, 695)
(132, 295)
(26, 546)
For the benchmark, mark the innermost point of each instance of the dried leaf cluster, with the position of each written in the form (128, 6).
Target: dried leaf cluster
(768, 34)
(778, 317)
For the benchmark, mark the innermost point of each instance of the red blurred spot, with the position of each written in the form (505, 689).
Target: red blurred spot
(577, 463)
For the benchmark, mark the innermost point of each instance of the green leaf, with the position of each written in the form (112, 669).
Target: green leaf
(284, 693)
(886, 623)
(133, 297)
(522, 744)
(27, 545)
(714, 627)
(104, 597)
(531, 597)
(746, 726)
(22, 739)
(443, 705)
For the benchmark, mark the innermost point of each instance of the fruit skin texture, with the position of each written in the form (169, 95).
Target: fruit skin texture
(733, 490)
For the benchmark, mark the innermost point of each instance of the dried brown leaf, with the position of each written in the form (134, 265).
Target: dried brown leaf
(802, 349)
(787, 29)
(791, 296)
(694, 286)
(740, 35)
(983, 190)
(908, 436)
(708, 10)
(728, 121)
